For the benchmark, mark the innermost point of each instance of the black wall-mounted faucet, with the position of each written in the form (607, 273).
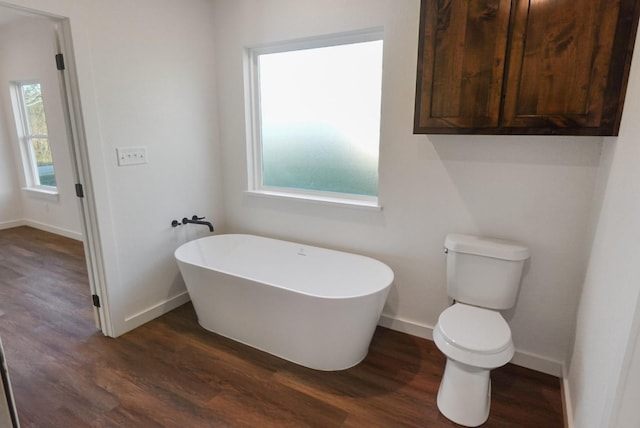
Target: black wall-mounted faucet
(193, 220)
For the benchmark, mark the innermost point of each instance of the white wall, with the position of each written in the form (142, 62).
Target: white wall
(146, 78)
(10, 198)
(155, 86)
(608, 320)
(27, 50)
(537, 190)
(626, 410)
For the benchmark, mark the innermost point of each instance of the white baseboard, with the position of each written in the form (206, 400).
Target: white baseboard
(521, 358)
(405, 326)
(54, 229)
(11, 224)
(566, 399)
(153, 312)
(41, 226)
(537, 363)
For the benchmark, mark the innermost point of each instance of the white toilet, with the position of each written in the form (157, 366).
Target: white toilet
(483, 277)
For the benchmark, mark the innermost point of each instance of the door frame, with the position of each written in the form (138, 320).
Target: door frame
(69, 91)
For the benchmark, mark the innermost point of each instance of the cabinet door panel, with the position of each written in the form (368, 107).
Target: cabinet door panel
(461, 63)
(559, 63)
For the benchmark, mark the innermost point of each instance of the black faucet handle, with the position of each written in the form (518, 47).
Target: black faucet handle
(196, 218)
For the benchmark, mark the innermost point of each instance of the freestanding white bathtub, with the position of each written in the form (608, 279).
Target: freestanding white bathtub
(315, 307)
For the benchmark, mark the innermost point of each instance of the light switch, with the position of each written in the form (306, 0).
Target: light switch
(131, 155)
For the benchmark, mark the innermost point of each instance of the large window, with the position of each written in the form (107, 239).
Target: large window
(315, 110)
(31, 122)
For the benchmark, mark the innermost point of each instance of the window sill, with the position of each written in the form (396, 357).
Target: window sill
(323, 200)
(50, 195)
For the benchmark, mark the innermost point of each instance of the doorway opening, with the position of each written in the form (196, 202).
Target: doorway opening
(36, 46)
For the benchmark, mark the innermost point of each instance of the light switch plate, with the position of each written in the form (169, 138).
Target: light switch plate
(131, 155)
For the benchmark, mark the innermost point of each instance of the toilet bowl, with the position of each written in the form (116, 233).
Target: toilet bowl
(483, 277)
(475, 340)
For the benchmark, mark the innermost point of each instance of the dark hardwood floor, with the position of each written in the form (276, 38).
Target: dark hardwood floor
(172, 373)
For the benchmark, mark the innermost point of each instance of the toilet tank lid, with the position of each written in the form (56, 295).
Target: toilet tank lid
(488, 247)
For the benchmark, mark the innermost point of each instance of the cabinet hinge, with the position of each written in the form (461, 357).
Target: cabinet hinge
(96, 300)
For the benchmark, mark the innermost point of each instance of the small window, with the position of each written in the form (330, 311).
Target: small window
(31, 122)
(315, 113)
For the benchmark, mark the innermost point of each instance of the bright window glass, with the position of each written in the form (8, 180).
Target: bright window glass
(319, 118)
(32, 126)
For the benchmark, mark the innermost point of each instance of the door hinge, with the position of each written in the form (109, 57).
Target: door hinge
(96, 300)
(60, 62)
(79, 190)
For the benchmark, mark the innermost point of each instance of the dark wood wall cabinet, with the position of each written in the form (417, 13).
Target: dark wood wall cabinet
(546, 67)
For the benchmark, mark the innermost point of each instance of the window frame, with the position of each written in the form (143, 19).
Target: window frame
(26, 138)
(254, 126)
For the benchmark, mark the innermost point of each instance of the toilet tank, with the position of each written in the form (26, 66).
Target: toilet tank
(484, 272)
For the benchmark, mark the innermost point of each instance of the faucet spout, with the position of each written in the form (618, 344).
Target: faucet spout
(198, 220)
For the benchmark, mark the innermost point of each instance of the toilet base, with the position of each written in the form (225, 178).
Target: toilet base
(464, 396)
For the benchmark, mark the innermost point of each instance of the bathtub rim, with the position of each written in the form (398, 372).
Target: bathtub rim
(383, 265)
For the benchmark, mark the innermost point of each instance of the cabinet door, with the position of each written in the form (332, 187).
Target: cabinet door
(460, 64)
(567, 65)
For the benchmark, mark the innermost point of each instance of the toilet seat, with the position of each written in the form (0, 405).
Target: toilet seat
(474, 336)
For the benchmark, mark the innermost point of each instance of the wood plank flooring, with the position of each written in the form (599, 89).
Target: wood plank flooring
(172, 373)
